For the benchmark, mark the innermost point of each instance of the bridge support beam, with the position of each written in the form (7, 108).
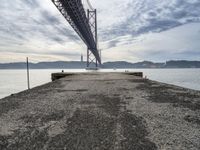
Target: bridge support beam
(84, 23)
(92, 21)
(91, 60)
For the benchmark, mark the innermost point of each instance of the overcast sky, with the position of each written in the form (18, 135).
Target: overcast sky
(130, 30)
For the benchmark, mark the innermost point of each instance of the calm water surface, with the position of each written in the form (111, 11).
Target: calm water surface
(14, 81)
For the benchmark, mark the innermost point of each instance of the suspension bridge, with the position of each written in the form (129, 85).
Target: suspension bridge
(84, 23)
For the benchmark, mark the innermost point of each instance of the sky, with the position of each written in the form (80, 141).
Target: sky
(128, 30)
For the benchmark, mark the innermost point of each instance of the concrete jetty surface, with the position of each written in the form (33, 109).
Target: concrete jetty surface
(101, 111)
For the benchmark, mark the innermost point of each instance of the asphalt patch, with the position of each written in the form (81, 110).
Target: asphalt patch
(30, 139)
(8, 105)
(90, 128)
(162, 94)
(86, 130)
(192, 119)
(135, 132)
(43, 118)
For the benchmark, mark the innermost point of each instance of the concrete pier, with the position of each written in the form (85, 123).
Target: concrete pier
(101, 111)
(59, 75)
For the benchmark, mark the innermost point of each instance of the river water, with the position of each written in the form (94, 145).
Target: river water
(14, 81)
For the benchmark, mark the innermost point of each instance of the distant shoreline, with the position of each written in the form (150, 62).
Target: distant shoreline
(173, 64)
(85, 69)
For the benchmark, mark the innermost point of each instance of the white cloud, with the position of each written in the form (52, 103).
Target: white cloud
(129, 29)
(178, 43)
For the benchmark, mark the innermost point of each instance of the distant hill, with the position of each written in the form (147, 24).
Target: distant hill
(106, 65)
(117, 64)
(124, 64)
(182, 64)
(148, 64)
(45, 65)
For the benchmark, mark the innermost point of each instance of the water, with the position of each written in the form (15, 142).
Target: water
(14, 81)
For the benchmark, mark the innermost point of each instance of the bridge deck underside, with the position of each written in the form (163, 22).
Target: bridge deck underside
(75, 14)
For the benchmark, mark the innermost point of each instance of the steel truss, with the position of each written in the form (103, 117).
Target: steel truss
(92, 20)
(84, 24)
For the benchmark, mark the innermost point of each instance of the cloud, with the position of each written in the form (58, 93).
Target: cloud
(35, 26)
(28, 26)
(177, 43)
(143, 16)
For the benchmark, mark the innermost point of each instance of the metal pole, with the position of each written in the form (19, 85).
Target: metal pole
(88, 57)
(95, 12)
(28, 79)
(100, 50)
(88, 19)
(96, 40)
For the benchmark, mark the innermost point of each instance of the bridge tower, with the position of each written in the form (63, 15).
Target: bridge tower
(84, 23)
(92, 21)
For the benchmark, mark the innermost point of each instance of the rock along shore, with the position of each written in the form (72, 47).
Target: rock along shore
(101, 111)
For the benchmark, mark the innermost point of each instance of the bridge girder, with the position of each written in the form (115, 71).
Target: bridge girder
(73, 11)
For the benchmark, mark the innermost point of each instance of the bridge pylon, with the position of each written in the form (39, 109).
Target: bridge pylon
(92, 21)
(84, 23)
